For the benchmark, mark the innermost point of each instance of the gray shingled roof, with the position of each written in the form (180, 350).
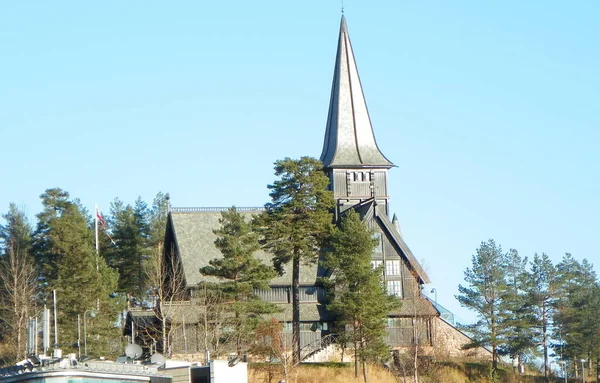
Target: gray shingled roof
(349, 139)
(309, 312)
(193, 232)
(415, 307)
(141, 318)
(393, 233)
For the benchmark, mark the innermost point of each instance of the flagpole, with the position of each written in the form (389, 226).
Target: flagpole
(96, 230)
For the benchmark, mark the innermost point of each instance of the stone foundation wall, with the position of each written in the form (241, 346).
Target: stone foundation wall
(449, 342)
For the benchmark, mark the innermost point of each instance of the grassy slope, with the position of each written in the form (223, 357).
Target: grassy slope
(443, 372)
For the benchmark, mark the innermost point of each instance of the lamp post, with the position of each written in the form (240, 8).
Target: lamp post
(92, 315)
(79, 336)
(434, 291)
(582, 369)
(563, 366)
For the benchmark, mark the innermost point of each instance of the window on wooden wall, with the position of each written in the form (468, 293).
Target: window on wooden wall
(392, 267)
(379, 247)
(313, 326)
(394, 288)
(399, 322)
(376, 264)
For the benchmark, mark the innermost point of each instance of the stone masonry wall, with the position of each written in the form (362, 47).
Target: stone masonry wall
(450, 340)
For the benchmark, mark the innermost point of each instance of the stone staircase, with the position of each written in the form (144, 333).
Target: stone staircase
(318, 351)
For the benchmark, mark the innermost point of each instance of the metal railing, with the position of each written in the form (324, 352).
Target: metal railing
(316, 346)
(56, 365)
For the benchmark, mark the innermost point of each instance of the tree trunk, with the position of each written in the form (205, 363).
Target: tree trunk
(493, 339)
(296, 309)
(163, 330)
(416, 354)
(545, 341)
(284, 366)
(364, 363)
(545, 346)
(355, 358)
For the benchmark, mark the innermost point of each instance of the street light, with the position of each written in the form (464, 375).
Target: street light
(563, 365)
(582, 369)
(92, 315)
(434, 291)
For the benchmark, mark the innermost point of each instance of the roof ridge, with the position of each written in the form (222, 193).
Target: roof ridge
(212, 209)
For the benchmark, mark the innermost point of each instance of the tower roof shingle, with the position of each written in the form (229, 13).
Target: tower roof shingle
(349, 139)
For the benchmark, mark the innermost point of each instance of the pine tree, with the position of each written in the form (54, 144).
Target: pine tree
(240, 273)
(518, 342)
(157, 222)
(576, 319)
(296, 223)
(157, 219)
(484, 295)
(131, 251)
(542, 294)
(55, 202)
(359, 300)
(83, 282)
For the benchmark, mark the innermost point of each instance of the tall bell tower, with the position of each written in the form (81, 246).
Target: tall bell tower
(356, 167)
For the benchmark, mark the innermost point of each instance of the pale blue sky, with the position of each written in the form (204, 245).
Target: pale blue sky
(489, 110)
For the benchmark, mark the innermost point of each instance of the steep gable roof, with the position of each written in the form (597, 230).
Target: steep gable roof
(369, 211)
(349, 138)
(192, 232)
(399, 243)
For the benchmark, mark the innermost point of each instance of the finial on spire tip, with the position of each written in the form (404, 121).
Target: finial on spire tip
(342, 7)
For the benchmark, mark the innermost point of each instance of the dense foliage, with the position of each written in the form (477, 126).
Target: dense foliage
(239, 273)
(526, 308)
(357, 295)
(533, 308)
(58, 258)
(296, 223)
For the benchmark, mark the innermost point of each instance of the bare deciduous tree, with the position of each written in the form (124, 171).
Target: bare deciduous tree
(213, 315)
(18, 284)
(167, 281)
(273, 345)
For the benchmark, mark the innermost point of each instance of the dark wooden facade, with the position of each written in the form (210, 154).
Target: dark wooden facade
(358, 173)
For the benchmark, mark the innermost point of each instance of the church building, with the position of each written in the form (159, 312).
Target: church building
(358, 173)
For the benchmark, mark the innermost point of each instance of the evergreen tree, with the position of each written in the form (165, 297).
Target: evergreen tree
(16, 232)
(157, 219)
(55, 202)
(131, 252)
(240, 273)
(542, 293)
(484, 295)
(18, 284)
(519, 342)
(576, 319)
(296, 222)
(157, 223)
(83, 282)
(358, 299)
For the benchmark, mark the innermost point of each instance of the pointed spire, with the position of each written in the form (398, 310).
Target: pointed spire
(349, 138)
(396, 224)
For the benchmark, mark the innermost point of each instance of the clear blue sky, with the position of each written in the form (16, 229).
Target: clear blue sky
(490, 110)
